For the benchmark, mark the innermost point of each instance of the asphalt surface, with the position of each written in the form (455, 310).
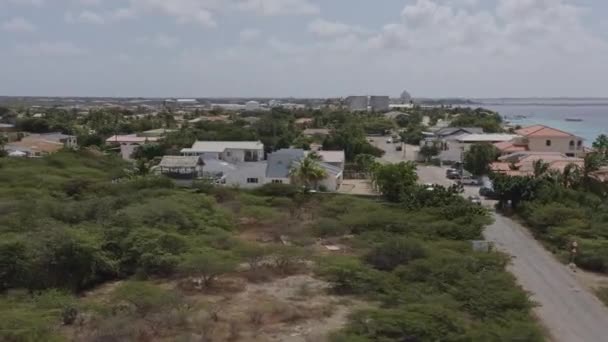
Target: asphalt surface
(566, 308)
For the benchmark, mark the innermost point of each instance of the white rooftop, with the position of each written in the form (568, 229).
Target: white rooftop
(221, 146)
(332, 156)
(486, 137)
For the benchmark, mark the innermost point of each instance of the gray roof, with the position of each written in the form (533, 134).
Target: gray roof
(280, 162)
(180, 161)
(221, 146)
(444, 132)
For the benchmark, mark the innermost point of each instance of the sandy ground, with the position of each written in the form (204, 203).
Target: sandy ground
(357, 187)
(567, 306)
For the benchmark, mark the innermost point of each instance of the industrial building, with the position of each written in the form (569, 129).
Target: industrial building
(356, 103)
(379, 103)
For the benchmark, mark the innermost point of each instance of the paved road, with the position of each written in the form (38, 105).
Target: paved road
(569, 311)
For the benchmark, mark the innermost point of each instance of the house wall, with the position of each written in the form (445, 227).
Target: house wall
(558, 144)
(244, 171)
(127, 149)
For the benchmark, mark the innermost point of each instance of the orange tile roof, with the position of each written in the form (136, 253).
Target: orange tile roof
(500, 167)
(542, 131)
(510, 147)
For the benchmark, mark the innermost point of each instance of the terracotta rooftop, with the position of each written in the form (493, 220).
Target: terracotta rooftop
(543, 131)
(510, 147)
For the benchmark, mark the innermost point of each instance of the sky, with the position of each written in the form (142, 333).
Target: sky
(304, 48)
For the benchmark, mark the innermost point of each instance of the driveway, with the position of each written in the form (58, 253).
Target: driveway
(566, 307)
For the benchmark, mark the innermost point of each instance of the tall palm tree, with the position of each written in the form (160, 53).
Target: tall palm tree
(540, 168)
(571, 176)
(308, 173)
(593, 162)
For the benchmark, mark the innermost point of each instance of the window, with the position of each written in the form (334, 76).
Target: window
(277, 181)
(548, 142)
(580, 143)
(252, 181)
(228, 154)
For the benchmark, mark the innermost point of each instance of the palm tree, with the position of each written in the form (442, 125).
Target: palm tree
(571, 175)
(540, 168)
(307, 173)
(593, 162)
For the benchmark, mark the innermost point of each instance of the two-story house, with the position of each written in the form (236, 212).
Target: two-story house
(540, 138)
(228, 151)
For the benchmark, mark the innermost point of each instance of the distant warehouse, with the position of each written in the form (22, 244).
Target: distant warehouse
(379, 103)
(365, 103)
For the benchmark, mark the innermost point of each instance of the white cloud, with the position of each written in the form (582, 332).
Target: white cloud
(49, 49)
(18, 24)
(186, 11)
(86, 17)
(279, 7)
(325, 28)
(249, 35)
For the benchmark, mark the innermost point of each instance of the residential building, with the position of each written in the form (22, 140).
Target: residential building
(129, 143)
(229, 151)
(242, 175)
(540, 138)
(446, 139)
(448, 132)
(335, 158)
(356, 103)
(522, 163)
(281, 162)
(181, 167)
(39, 145)
(379, 103)
(156, 133)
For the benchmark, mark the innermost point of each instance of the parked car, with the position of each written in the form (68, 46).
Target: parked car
(389, 141)
(399, 148)
(468, 180)
(487, 192)
(452, 174)
(475, 200)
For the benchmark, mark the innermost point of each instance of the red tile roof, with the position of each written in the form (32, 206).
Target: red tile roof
(510, 147)
(542, 131)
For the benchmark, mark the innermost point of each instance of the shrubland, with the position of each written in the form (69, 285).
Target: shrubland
(90, 252)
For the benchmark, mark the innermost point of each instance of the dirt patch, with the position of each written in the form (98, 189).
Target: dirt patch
(296, 308)
(292, 309)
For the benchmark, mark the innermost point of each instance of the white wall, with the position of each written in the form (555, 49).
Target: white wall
(239, 176)
(127, 149)
(562, 145)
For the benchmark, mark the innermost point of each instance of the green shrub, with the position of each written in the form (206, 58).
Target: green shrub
(279, 190)
(395, 252)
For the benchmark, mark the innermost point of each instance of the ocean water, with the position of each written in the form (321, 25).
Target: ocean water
(594, 116)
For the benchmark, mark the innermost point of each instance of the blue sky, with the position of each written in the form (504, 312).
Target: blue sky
(301, 48)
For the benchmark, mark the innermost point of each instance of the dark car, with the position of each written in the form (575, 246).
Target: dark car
(399, 148)
(453, 174)
(487, 192)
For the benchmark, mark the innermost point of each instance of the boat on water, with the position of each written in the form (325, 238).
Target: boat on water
(574, 119)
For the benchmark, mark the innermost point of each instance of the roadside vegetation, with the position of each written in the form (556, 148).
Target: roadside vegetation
(564, 210)
(89, 251)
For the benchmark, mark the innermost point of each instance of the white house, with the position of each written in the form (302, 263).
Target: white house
(229, 151)
(281, 162)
